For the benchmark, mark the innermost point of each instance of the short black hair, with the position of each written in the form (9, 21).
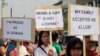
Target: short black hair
(72, 43)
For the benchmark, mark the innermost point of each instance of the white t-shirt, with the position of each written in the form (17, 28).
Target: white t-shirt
(40, 52)
(22, 51)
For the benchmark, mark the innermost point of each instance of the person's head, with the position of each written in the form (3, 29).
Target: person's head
(44, 38)
(54, 36)
(74, 47)
(93, 45)
(88, 45)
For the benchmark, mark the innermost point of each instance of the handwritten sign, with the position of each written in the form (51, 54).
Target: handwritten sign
(49, 18)
(18, 28)
(83, 20)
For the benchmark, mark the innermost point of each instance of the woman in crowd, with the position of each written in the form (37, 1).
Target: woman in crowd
(44, 48)
(75, 47)
(2, 48)
(23, 48)
(11, 49)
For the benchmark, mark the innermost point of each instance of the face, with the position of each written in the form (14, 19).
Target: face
(76, 51)
(45, 38)
(88, 46)
(88, 43)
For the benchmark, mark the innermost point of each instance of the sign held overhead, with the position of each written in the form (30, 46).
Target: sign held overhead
(18, 28)
(49, 18)
(83, 20)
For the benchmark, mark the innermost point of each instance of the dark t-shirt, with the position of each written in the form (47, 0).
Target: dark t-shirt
(1, 44)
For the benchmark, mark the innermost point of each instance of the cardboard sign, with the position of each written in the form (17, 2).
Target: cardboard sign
(49, 18)
(18, 28)
(83, 20)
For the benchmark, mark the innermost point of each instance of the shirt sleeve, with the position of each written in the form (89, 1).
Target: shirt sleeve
(58, 48)
(55, 52)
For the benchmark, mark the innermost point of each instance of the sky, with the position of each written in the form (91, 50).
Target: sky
(21, 8)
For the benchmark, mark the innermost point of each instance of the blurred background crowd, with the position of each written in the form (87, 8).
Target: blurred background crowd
(63, 44)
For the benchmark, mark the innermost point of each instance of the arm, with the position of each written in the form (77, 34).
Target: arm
(11, 53)
(2, 50)
(62, 52)
(30, 49)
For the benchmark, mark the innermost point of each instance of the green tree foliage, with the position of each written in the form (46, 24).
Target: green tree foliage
(3, 3)
(65, 20)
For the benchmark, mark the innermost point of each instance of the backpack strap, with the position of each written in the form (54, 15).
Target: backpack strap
(43, 49)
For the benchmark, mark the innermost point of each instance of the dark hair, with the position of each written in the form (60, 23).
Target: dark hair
(40, 37)
(94, 43)
(72, 43)
(67, 38)
(54, 36)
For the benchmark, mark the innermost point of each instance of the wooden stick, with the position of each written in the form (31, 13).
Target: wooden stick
(50, 38)
(99, 45)
(84, 46)
(18, 44)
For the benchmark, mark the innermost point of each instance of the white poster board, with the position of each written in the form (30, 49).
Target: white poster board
(49, 18)
(18, 28)
(83, 20)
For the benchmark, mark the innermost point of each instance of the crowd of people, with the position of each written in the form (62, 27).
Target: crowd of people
(73, 46)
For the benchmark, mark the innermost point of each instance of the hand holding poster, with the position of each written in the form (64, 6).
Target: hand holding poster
(83, 20)
(48, 19)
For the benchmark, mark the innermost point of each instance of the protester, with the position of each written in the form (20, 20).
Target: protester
(74, 47)
(56, 45)
(94, 48)
(88, 46)
(44, 48)
(11, 49)
(30, 49)
(22, 49)
(2, 48)
(91, 47)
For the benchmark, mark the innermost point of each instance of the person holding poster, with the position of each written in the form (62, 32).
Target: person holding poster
(44, 48)
(91, 47)
(75, 47)
(60, 50)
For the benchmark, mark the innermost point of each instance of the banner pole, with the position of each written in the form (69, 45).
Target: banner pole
(50, 38)
(18, 44)
(84, 46)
